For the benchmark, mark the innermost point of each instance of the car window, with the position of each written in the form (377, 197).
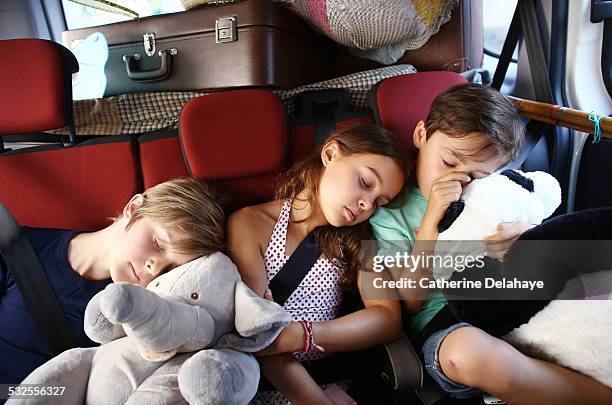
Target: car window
(80, 15)
(497, 16)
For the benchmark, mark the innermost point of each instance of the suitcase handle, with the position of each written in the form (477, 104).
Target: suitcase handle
(150, 75)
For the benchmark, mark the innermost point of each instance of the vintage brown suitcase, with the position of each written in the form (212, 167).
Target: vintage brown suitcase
(457, 47)
(248, 43)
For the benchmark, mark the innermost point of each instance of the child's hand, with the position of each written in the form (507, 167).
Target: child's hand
(507, 233)
(290, 340)
(444, 191)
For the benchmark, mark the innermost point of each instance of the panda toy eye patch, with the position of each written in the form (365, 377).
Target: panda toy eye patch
(519, 179)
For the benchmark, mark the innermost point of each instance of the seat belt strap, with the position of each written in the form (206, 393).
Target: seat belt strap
(510, 43)
(295, 269)
(526, 22)
(530, 25)
(34, 285)
(535, 130)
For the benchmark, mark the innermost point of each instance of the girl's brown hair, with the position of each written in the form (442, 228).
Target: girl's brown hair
(343, 244)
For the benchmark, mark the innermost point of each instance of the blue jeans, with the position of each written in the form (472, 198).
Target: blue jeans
(430, 350)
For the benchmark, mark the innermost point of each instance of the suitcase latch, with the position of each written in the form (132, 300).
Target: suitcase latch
(225, 29)
(149, 43)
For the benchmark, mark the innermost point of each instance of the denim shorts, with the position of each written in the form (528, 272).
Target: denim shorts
(432, 364)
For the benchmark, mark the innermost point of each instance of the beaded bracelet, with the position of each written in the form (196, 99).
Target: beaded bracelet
(309, 343)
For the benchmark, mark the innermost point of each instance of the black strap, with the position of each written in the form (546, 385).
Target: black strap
(324, 106)
(295, 269)
(535, 130)
(34, 285)
(510, 43)
(283, 284)
(536, 40)
(528, 21)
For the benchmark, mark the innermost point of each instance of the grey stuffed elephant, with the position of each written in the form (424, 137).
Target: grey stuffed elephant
(152, 340)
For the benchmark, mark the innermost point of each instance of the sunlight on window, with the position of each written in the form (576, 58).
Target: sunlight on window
(79, 16)
(497, 16)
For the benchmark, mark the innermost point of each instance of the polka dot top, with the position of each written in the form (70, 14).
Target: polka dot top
(317, 298)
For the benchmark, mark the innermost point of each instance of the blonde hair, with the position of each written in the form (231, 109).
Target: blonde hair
(189, 206)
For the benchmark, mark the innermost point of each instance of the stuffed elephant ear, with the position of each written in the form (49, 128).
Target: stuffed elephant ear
(258, 321)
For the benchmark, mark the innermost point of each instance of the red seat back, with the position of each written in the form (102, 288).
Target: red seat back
(161, 158)
(36, 79)
(236, 139)
(302, 136)
(400, 102)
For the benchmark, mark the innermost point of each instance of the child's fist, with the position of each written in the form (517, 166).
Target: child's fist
(444, 191)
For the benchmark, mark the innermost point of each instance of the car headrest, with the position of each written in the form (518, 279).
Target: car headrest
(234, 134)
(400, 102)
(36, 92)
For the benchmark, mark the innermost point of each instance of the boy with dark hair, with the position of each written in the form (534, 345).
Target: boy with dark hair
(470, 132)
(168, 225)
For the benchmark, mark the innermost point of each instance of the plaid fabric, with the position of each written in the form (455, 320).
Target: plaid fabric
(147, 112)
(357, 84)
(99, 116)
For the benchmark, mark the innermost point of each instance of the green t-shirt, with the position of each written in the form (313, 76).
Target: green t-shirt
(397, 222)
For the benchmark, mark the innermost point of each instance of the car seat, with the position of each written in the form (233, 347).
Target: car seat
(75, 185)
(399, 103)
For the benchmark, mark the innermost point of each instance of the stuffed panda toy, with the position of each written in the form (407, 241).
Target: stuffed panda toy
(569, 321)
(502, 197)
